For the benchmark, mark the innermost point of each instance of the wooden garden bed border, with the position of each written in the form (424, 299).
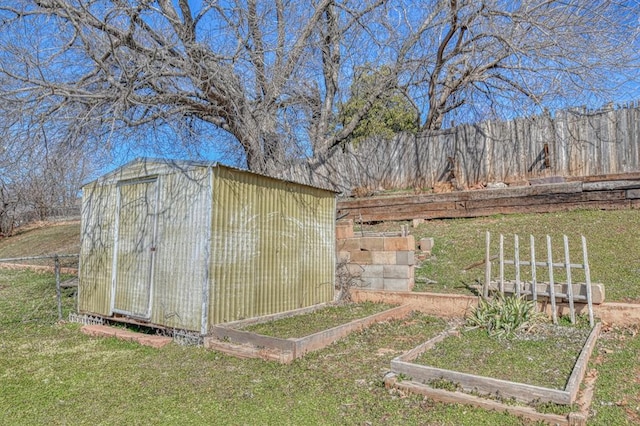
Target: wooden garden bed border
(230, 339)
(421, 374)
(391, 381)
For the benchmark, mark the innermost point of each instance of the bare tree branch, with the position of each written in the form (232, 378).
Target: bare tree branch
(261, 80)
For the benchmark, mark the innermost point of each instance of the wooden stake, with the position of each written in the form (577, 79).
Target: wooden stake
(534, 281)
(501, 263)
(56, 262)
(567, 265)
(516, 248)
(487, 269)
(587, 276)
(552, 290)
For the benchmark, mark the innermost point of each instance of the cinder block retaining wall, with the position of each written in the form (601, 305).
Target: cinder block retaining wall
(381, 262)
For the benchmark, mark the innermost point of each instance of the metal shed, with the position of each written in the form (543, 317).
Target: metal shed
(186, 245)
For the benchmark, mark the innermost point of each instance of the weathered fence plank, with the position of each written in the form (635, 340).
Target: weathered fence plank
(572, 143)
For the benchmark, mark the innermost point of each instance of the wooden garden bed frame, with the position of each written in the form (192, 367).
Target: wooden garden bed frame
(231, 339)
(422, 374)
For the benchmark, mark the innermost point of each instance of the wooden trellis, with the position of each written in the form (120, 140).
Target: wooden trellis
(532, 290)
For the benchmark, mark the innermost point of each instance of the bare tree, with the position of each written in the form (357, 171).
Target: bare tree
(252, 69)
(50, 186)
(262, 79)
(41, 171)
(492, 57)
(7, 210)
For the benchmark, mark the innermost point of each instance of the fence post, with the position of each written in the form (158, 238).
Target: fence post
(56, 261)
(487, 268)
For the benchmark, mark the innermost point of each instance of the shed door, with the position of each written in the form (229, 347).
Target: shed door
(134, 248)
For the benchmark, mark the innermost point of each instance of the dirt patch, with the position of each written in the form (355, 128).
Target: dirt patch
(385, 351)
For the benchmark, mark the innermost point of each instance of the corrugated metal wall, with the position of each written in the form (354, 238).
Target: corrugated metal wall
(228, 244)
(96, 250)
(180, 250)
(180, 266)
(273, 246)
(134, 246)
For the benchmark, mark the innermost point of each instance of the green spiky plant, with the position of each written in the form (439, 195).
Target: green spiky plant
(503, 315)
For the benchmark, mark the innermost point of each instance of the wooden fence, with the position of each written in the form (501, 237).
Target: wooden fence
(572, 143)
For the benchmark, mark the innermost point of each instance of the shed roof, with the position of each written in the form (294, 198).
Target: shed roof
(186, 165)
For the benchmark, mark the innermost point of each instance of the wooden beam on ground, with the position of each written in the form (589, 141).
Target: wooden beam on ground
(606, 177)
(445, 396)
(622, 193)
(542, 289)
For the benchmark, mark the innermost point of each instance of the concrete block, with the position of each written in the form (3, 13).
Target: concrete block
(383, 257)
(345, 222)
(397, 271)
(344, 229)
(396, 284)
(405, 257)
(373, 283)
(361, 257)
(344, 257)
(399, 243)
(127, 335)
(372, 243)
(348, 244)
(426, 244)
(372, 271)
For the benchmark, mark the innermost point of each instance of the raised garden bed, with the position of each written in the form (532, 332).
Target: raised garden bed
(290, 335)
(545, 358)
(410, 365)
(329, 316)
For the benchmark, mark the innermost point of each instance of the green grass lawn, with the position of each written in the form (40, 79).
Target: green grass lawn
(50, 373)
(613, 240)
(53, 374)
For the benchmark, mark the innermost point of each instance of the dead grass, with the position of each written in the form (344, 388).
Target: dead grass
(42, 239)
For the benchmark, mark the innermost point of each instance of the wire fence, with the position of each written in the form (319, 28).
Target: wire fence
(57, 269)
